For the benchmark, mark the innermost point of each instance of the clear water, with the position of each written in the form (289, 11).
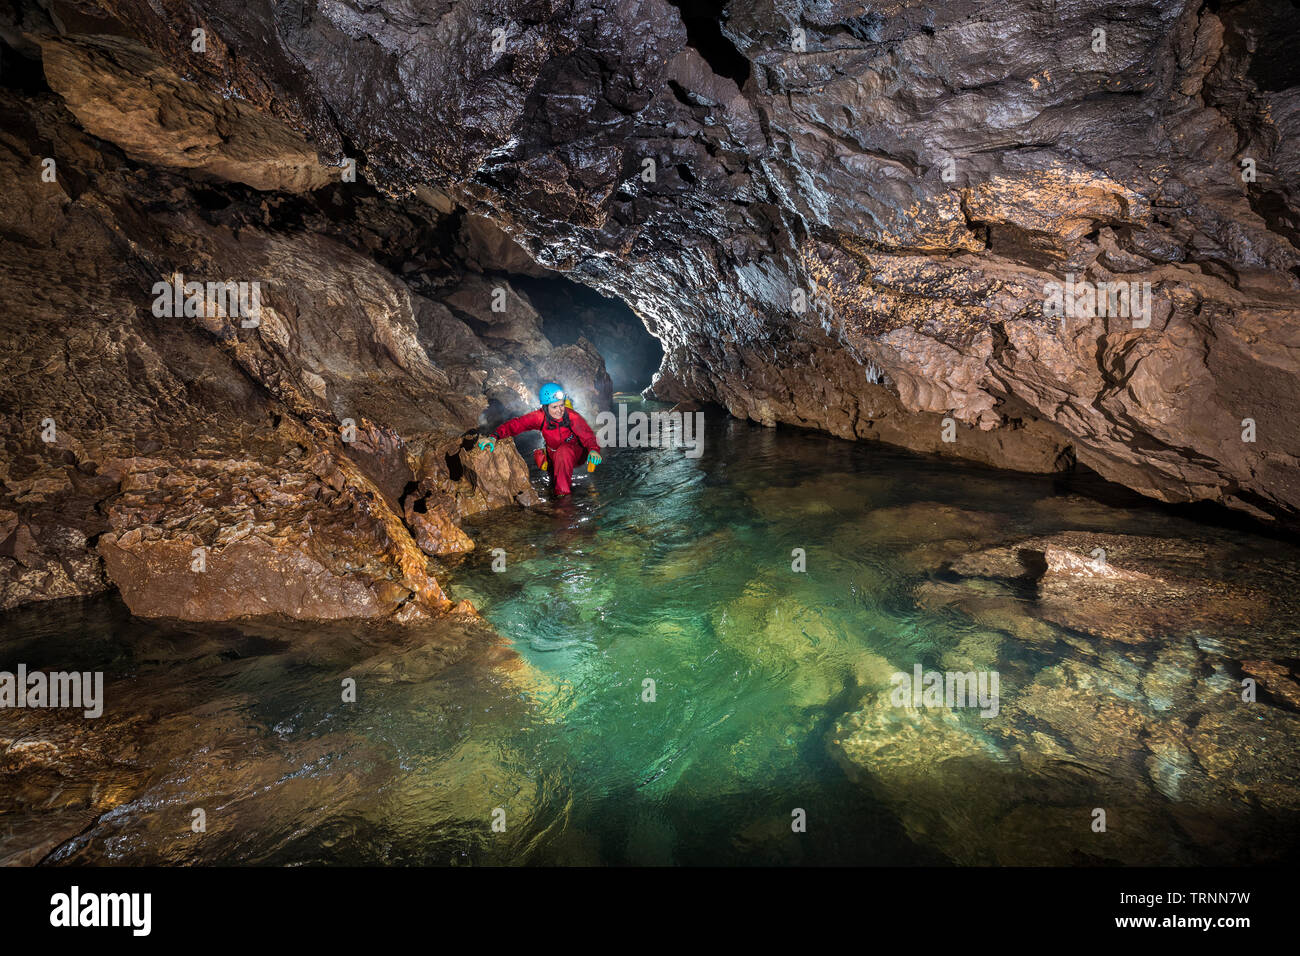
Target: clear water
(661, 567)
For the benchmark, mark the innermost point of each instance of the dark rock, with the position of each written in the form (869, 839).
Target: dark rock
(818, 169)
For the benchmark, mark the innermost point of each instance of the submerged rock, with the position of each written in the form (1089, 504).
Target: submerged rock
(1023, 787)
(1134, 589)
(301, 776)
(1142, 713)
(818, 655)
(1276, 679)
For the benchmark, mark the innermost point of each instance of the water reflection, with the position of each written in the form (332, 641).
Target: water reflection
(664, 687)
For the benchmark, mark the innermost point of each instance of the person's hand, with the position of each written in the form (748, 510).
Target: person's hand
(489, 443)
(593, 459)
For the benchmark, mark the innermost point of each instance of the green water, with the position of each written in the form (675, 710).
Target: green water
(678, 571)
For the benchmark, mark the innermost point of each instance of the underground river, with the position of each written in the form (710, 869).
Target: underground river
(692, 662)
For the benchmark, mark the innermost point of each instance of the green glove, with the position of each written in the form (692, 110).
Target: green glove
(488, 443)
(593, 460)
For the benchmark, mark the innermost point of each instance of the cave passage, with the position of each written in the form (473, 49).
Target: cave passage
(570, 311)
(333, 611)
(683, 686)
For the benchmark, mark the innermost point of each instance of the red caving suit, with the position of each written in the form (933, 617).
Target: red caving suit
(566, 441)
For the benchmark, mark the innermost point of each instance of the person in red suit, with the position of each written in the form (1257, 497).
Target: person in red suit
(566, 433)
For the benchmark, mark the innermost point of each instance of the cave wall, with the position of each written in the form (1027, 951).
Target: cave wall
(844, 217)
(305, 461)
(803, 151)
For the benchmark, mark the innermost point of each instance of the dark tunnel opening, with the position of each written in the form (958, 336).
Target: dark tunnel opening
(571, 311)
(703, 22)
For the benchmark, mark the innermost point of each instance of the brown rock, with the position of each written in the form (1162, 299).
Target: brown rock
(122, 93)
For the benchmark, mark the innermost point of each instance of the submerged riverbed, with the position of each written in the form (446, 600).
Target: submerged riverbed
(660, 685)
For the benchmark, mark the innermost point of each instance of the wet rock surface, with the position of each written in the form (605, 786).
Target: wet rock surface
(842, 219)
(773, 591)
(185, 729)
(1133, 589)
(1171, 707)
(303, 451)
(121, 93)
(808, 205)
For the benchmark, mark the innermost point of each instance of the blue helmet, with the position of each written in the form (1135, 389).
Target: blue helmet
(550, 392)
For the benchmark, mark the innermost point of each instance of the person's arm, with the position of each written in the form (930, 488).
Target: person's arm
(584, 432)
(524, 423)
